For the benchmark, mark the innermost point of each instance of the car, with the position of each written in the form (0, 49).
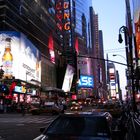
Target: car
(47, 109)
(88, 101)
(99, 108)
(76, 107)
(77, 126)
(114, 109)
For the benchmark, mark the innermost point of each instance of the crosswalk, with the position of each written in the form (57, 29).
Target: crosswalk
(27, 119)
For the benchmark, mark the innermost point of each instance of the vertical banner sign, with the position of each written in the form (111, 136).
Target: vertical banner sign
(63, 21)
(136, 10)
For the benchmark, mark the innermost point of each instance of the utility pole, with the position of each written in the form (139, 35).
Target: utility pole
(129, 54)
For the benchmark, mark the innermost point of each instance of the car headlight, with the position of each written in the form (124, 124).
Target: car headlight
(41, 137)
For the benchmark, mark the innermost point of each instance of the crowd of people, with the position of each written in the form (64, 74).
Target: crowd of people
(14, 107)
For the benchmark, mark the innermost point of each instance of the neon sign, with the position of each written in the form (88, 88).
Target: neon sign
(63, 15)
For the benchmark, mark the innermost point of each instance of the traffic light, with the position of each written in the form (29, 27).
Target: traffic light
(1, 73)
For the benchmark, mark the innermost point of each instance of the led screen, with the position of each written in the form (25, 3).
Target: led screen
(86, 81)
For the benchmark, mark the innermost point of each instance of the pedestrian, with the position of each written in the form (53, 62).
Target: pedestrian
(62, 107)
(5, 108)
(22, 105)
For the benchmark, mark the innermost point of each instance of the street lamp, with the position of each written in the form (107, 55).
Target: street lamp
(128, 66)
(120, 56)
(128, 44)
(124, 30)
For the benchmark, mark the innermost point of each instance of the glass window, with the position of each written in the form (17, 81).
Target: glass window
(86, 126)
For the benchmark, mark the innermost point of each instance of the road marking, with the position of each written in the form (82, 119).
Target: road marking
(20, 124)
(27, 120)
(1, 138)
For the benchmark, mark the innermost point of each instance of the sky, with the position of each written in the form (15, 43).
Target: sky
(111, 16)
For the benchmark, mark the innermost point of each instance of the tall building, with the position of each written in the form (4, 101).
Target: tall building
(81, 29)
(102, 66)
(135, 12)
(96, 52)
(81, 21)
(118, 89)
(50, 37)
(133, 19)
(82, 37)
(86, 34)
(35, 44)
(111, 80)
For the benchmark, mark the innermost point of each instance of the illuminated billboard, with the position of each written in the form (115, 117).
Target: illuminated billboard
(113, 93)
(86, 81)
(63, 15)
(19, 57)
(112, 85)
(67, 83)
(84, 65)
(136, 14)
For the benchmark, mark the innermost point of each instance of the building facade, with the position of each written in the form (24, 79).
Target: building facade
(102, 67)
(54, 34)
(32, 27)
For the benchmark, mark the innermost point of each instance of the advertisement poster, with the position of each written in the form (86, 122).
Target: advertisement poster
(19, 58)
(67, 83)
(84, 65)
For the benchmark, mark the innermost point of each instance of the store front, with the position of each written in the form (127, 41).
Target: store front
(22, 76)
(25, 92)
(52, 94)
(4, 98)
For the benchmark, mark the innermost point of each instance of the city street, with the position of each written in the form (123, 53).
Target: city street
(18, 127)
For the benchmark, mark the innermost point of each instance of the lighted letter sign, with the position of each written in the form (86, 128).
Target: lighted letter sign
(63, 15)
(67, 26)
(86, 81)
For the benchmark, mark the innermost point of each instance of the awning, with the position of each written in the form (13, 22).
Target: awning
(54, 90)
(47, 89)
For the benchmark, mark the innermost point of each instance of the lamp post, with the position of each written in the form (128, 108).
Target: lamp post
(120, 56)
(128, 66)
(129, 55)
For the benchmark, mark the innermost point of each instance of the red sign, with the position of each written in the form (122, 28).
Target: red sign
(112, 76)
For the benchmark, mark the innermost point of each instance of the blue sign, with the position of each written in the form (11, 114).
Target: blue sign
(86, 81)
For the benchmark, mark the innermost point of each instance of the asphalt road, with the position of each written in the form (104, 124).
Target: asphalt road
(18, 127)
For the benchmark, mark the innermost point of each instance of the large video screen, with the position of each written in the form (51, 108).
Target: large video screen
(86, 81)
